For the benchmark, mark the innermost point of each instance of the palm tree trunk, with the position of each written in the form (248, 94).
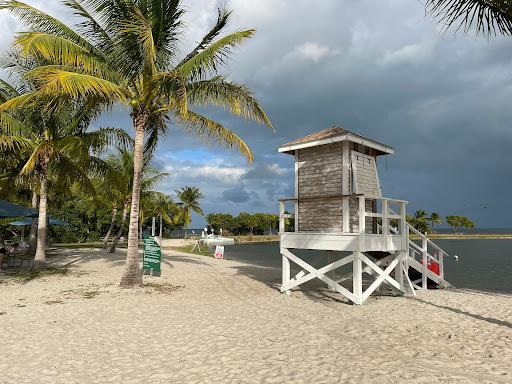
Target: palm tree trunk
(32, 240)
(160, 224)
(112, 222)
(132, 275)
(42, 229)
(121, 228)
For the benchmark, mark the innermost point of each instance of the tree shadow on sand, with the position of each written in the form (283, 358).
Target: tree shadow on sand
(465, 313)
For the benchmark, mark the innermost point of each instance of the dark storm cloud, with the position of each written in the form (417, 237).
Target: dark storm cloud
(236, 195)
(380, 68)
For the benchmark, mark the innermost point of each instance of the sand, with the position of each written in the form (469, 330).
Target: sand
(220, 321)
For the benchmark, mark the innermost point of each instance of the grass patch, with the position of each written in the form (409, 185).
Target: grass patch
(188, 249)
(164, 288)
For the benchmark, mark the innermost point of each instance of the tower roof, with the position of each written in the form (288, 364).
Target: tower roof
(333, 135)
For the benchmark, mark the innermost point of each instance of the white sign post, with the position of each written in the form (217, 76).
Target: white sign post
(219, 252)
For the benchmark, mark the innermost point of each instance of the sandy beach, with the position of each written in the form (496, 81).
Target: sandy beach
(220, 321)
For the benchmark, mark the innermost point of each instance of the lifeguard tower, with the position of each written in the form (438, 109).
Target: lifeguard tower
(338, 206)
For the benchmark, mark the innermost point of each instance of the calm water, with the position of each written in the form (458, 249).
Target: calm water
(484, 264)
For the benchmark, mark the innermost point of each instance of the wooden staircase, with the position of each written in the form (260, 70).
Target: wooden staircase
(420, 257)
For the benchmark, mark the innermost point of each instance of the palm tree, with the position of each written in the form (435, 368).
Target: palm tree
(435, 218)
(126, 52)
(189, 201)
(122, 178)
(489, 17)
(160, 205)
(52, 140)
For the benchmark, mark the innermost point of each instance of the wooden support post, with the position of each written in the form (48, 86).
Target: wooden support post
(357, 279)
(281, 217)
(296, 218)
(425, 263)
(285, 273)
(345, 186)
(385, 220)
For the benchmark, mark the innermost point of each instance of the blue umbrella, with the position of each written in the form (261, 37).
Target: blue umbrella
(8, 209)
(53, 221)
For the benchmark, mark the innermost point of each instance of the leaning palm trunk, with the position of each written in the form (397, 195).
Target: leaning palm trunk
(32, 240)
(132, 275)
(42, 226)
(121, 228)
(112, 222)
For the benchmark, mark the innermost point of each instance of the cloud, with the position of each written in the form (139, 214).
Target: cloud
(381, 69)
(237, 195)
(313, 51)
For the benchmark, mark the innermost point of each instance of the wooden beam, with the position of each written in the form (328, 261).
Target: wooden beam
(285, 272)
(330, 283)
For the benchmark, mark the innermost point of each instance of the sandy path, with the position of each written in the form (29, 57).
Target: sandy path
(226, 323)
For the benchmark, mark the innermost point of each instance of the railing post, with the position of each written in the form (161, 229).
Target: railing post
(385, 220)
(441, 264)
(345, 214)
(281, 217)
(425, 262)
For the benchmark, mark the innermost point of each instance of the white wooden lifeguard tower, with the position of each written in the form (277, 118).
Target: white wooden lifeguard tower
(338, 206)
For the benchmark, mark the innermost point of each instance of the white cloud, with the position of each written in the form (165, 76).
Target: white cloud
(313, 51)
(409, 54)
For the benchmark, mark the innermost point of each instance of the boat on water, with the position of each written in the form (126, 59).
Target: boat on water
(213, 240)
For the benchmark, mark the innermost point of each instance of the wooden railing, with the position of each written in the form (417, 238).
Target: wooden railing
(421, 253)
(385, 213)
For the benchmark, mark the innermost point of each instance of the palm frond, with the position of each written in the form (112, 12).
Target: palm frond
(42, 22)
(223, 16)
(489, 17)
(19, 101)
(14, 143)
(135, 44)
(165, 16)
(209, 59)
(210, 131)
(7, 91)
(74, 84)
(58, 50)
(237, 98)
(13, 126)
(90, 27)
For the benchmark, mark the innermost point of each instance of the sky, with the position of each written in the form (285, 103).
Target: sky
(382, 69)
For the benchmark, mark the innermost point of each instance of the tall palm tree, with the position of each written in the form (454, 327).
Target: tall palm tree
(435, 218)
(126, 52)
(51, 139)
(489, 17)
(189, 201)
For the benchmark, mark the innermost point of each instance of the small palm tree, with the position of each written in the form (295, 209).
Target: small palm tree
(122, 178)
(435, 218)
(126, 52)
(189, 200)
(489, 17)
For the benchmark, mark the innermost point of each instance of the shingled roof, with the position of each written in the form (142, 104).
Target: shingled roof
(332, 135)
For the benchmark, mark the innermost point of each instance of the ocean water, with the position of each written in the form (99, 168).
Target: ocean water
(483, 264)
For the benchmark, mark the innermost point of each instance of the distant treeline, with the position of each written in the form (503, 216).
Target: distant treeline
(424, 222)
(245, 223)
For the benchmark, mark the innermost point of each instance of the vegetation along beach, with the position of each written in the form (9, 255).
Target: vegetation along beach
(255, 192)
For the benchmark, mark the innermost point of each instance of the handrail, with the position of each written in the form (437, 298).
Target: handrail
(422, 236)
